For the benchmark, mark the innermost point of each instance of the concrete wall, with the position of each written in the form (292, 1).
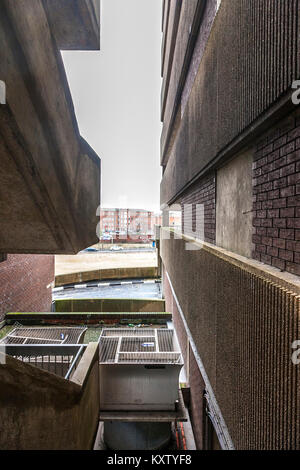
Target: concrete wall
(76, 24)
(84, 318)
(234, 205)
(193, 28)
(243, 317)
(26, 283)
(41, 411)
(233, 87)
(106, 274)
(109, 305)
(49, 176)
(194, 379)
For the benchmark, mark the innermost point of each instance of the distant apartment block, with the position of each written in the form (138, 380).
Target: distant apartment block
(128, 222)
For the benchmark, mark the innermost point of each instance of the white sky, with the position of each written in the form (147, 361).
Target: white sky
(116, 94)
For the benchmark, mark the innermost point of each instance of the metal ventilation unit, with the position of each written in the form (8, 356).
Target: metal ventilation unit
(51, 335)
(139, 369)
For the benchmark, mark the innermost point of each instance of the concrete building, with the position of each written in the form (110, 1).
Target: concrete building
(230, 154)
(49, 176)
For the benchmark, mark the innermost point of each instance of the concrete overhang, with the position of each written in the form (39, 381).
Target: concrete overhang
(75, 24)
(49, 176)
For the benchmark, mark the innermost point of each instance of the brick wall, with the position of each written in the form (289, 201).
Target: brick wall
(201, 192)
(23, 283)
(276, 193)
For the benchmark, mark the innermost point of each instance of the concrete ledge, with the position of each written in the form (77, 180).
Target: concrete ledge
(75, 24)
(179, 415)
(106, 275)
(89, 358)
(42, 411)
(282, 279)
(109, 305)
(91, 318)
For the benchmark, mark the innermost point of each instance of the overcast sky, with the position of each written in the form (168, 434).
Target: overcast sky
(116, 94)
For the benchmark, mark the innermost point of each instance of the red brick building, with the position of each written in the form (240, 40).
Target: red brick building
(131, 222)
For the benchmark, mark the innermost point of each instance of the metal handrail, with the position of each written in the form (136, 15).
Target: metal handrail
(75, 361)
(46, 350)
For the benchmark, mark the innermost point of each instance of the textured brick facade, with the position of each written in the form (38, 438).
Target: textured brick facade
(243, 318)
(171, 307)
(194, 377)
(202, 192)
(229, 106)
(276, 193)
(249, 63)
(25, 281)
(197, 388)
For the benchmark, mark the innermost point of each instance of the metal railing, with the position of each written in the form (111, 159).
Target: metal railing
(61, 360)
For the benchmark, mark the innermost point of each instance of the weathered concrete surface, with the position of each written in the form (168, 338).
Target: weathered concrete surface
(250, 43)
(75, 24)
(109, 305)
(170, 31)
(49, 176)
(41, 411)
(68, 264)
(243, 317)
(234, 205)
(191, 12)
(79, 318)
(106, 274)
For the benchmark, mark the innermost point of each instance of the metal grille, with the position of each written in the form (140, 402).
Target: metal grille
(140, 346)
(128, 332)
(108, 349)
(150, 358)
(53, 335)
(61, 360)
(165, 340)
(137, 344)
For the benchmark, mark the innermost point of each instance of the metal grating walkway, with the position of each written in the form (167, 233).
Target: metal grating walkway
(51, 335)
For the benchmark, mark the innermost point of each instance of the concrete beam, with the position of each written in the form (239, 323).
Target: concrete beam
(75, 23)
(42, 411)
(180, 415)
(109, 305)
(90, 318)
(49, 176)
